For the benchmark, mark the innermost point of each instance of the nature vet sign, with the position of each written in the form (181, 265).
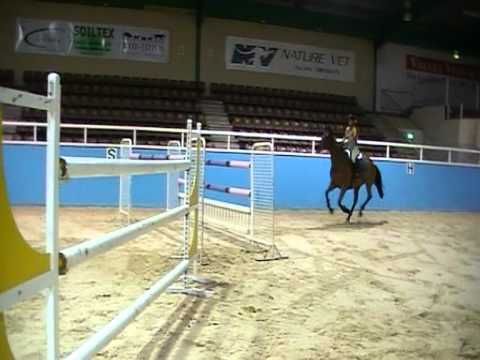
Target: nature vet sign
(290, 59)
(94, 40)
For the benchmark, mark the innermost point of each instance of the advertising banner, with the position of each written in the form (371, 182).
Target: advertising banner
(94, 40)
(289, 59)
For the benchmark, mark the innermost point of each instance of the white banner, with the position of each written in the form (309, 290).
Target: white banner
(291, 59)
(95, 40)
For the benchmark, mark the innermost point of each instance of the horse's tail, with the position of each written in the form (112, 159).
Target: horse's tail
(378, 182)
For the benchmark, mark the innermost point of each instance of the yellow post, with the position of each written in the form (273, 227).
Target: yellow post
(18, 261)
(194, 193)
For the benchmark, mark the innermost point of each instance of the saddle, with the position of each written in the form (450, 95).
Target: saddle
(355, 155)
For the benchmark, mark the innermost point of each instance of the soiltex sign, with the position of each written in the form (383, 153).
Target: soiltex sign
(96, 40)
(91, 40)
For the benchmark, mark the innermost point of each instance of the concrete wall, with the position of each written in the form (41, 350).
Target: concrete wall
(300, 182)
(181, 26)
(432, 121)
(461, 133)
(398, 88)
(213, 58)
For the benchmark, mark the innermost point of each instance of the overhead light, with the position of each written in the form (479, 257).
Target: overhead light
(407, 11)
(456, 55)
(407, 16)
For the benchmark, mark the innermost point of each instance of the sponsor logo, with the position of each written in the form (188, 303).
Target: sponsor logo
(93, 39)
(253, 55)
(55, 37)
(152, 44)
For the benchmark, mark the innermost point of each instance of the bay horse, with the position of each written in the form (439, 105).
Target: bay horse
(346, 175)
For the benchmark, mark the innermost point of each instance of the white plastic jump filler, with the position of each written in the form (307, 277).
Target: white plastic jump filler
(254, 223)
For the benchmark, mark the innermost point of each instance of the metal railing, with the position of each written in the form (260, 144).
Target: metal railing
(380, 150)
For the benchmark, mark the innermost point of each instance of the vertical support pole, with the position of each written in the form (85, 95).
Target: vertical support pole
(313, 146)
(35, 137)
(186, 198)
(198, 39)
(134, 136)
(447, 92)
(229, 139)
(85, 135)
(252, 193)
(449, 156)
(125, 183)
(52, 184)
(200, 207)
(461, 111)
(387, 155)
(421, 153)
(478, 96)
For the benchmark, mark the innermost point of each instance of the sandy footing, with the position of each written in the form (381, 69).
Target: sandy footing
(389, 286)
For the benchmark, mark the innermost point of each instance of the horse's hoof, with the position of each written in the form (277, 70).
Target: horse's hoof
(331, 211)
(360, 214)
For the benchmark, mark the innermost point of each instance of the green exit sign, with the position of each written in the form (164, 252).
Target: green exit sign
(410, 136)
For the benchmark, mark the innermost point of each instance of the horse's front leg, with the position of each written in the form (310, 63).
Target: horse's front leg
(355, 199)
(330, 188)
(340, 198)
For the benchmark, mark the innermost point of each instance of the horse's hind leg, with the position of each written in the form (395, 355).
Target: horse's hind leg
(355, 198)
(369, 197)
(340, 198)
(330, 188)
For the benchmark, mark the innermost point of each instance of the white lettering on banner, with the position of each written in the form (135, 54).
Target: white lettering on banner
(97, 40)
(291, 59)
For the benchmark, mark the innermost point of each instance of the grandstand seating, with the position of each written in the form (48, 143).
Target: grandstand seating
(127, 101)
(287, 111)
(117, 100)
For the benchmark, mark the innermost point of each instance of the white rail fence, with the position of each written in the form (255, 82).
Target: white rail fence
(392, 151)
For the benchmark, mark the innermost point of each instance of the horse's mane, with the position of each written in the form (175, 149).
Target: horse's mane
(337, 146)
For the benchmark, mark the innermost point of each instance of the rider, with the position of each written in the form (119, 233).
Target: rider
(350, 137)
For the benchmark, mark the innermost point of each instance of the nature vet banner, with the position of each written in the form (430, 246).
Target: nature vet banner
(94, 40)
(289, 59)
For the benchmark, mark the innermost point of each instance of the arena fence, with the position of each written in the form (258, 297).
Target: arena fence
(382, 150)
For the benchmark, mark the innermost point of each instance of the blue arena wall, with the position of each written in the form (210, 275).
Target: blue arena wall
(300, 183)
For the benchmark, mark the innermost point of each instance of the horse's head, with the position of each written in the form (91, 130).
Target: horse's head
(328, 140)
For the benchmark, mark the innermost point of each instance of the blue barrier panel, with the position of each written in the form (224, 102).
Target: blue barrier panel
(300, 183)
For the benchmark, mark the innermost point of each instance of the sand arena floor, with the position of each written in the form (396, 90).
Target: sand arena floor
(390, 286)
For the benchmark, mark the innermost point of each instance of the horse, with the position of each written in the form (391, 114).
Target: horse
(346, 175)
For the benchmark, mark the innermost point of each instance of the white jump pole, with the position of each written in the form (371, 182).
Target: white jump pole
(75, 167)
(100, 339)
(77, 254)
(51, 210)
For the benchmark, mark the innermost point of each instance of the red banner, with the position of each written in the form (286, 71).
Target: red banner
(444, 68)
